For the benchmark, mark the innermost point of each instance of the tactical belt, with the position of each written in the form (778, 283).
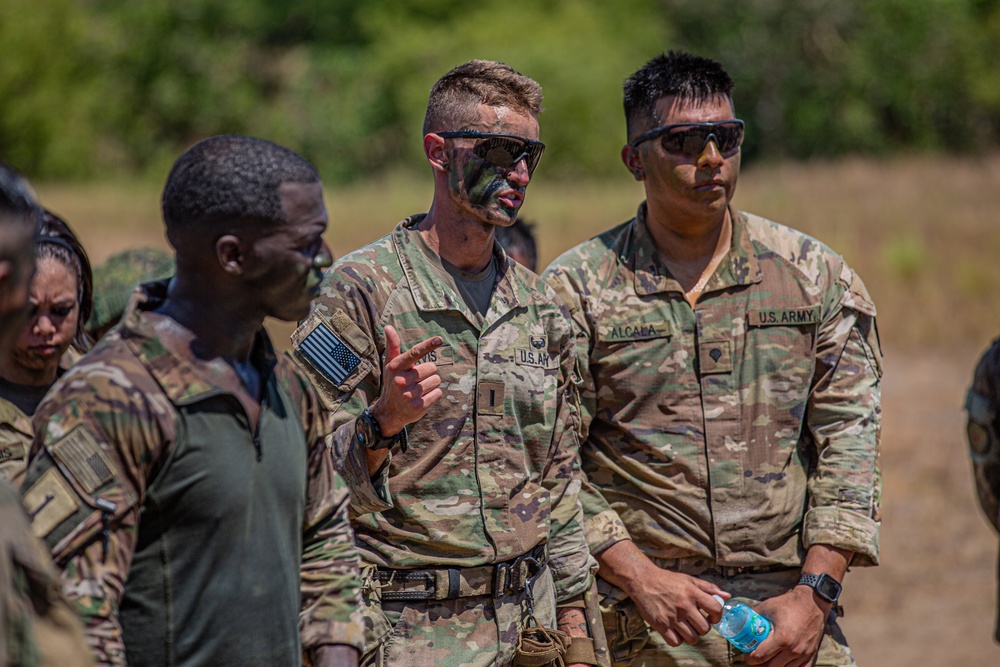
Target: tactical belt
(697, 566)
(446, 583)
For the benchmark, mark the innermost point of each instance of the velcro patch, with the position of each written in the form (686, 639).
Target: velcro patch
(524, 356)
(12, 451)
(50, 502)
(489, 399)
(328, 354)
(442, 356)
(715, 356)
(765, 317)
(626, 332)
(84, 458)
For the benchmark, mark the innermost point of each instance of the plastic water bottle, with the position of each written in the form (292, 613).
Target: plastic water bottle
(742, 626)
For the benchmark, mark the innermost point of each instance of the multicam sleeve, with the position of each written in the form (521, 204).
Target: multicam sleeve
(844, 417)
(341, 315)
(97, 440)
(331, 582)
(573, 567)
(981, 405)
(603, 527)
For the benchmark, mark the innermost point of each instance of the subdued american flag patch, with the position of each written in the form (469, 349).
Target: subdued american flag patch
(328, 354)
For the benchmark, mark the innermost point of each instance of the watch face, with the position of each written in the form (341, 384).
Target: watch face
(363, 430)
(828, 588)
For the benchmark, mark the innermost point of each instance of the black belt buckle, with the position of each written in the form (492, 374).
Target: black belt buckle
(406, 577)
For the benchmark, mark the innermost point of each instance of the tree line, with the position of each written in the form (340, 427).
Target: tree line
(103, 88)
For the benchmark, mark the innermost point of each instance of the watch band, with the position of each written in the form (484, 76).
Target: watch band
(819, 583)
(378, 440)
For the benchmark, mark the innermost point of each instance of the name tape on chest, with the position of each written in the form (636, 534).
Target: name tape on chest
(627, 332)
(764, 317)
(328, 354)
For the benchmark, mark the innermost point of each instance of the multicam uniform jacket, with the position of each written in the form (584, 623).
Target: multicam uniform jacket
(490, 470)
(38, 627)
(743, 430)
(983, 408)
(187, 535)
(15, 440)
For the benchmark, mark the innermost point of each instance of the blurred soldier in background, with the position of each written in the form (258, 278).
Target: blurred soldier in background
(58, 305)
(37, 624)
(179, 472)
(115, 280)
(480, 415)
(518, 241)
(982, 405)
(730, 374)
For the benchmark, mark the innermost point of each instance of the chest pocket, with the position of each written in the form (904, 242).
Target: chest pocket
(639, 342)
(778, 364)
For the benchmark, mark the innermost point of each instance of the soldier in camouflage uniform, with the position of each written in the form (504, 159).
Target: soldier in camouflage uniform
(38, 627)
(982, 405)
(481, 415)
(117, 277)
(730, 397)
(61, 298)
(179, 473)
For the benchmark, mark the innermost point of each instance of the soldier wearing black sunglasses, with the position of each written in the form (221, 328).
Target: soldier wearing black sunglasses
(473, 429)
(729, 377)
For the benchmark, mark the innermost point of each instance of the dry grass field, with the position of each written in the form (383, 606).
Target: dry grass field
(922, 232)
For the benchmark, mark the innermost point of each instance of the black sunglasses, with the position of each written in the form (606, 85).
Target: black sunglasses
(691, 138)
(501, 150)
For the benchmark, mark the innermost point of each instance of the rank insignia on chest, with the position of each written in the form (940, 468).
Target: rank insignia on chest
(328, 354)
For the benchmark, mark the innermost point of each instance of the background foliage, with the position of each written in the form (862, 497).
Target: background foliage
(97, 88)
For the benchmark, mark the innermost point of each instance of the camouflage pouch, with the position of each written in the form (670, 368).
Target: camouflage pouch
(539, 646)
(626, 632)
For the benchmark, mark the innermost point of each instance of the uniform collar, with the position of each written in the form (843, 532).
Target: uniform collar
(183, 377)
(11, 415)
(741, 266)
(427, 290)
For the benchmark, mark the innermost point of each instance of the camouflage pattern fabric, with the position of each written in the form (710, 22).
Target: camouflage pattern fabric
(481, 631)
(634, 644)
(111, 425)
(15, 441)
(118, 276)
(491, 470)
(982, 426)
(744, 430)
(39, 628)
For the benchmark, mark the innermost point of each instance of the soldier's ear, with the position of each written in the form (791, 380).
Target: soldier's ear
(434, 149)
(633, 162)
(230, 255)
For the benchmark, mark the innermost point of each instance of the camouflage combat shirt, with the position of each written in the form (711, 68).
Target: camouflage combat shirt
(15, 440)
(185, 534)
(745, 429)
(491, 470)
(982, 405)
(38, 627)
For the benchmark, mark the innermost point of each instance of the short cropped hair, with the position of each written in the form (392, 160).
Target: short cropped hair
(454, 97)
(231, 178)
(57, 241)
(520, 238)
(683, 75)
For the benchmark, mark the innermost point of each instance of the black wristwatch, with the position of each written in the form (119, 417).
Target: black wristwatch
(369, 434)
(825, 586)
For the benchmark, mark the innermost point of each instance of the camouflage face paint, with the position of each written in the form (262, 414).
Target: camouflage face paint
(479, 183)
